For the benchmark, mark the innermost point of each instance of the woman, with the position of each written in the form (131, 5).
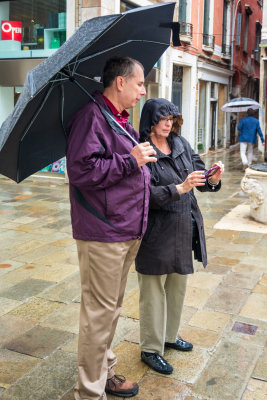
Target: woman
(175, 228)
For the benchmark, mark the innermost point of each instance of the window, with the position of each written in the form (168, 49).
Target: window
(43, 27)
(248, 13)
(238, 28)
(177, 83)
(206, 21)
(257, 42)
(126, 5)
(182, 10)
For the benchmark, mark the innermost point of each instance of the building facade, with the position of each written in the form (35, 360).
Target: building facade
(263, 76)
(219, 57)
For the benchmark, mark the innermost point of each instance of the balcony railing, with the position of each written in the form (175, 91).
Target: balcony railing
(186, 30)
(226, 50)
(208, 40)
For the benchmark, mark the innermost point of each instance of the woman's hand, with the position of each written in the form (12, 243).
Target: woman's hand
(218, 174)
(196, 178)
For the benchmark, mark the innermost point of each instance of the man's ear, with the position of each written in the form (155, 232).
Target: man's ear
(119, 83)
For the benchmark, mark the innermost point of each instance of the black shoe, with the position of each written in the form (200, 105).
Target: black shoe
(156, 362)
(180, 344)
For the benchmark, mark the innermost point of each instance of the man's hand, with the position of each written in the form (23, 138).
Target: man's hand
(142, 153)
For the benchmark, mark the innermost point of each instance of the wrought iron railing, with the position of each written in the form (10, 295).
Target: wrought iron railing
(226, 49)
(208, 40)
(186, 29)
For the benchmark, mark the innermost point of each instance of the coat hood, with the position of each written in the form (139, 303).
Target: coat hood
(152, 111)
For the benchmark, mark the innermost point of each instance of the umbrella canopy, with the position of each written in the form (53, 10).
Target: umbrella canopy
(34, 135)
(240, 104)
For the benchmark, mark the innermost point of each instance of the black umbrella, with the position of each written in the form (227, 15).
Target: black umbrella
(34, 135)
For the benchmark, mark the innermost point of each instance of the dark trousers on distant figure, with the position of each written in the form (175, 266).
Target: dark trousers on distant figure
(103, 269)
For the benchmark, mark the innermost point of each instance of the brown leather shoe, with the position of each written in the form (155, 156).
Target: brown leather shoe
(119, 386)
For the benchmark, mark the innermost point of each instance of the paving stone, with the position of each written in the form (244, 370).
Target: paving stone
(129, 361)
(186, 365)
(11, 327)
(200, 337)
(227, 299)
(54, 273)
(203, 281)
(64, 242)
(34, 255)
(14, 365)
(241, 280)
(153, 387)
(217, 269)
(260, 371)
(28, 246)
(256, 306)
(66, 318)
(263, 280)
(127, 329)
(225, 376)
(212, 320)
(260, 289)
(57, 257)
(256, 390)
(36, 309)
(224, 261)
(65, 291)
(71, 346)
(248, 329)
(249, 268)
(258, 339)
(7, 305)
(196, 297)
(9, 265)
(39, 341)
(132, 283)
(25, 289)
(20, 274)
(187, 314)
(53, 377)
(130, 307)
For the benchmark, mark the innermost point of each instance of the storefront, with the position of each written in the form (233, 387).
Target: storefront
(30, 30)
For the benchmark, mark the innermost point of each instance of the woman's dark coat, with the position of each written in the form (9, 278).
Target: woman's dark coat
(167, 243)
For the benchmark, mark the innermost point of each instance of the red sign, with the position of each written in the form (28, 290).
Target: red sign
(11, 30)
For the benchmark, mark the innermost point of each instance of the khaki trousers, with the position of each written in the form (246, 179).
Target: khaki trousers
(103, 270)
(161, 303)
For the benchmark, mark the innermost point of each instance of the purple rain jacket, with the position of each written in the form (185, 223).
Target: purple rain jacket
(109, 193)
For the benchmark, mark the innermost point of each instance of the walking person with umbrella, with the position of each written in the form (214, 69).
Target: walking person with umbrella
(109, 194)
(249, 127)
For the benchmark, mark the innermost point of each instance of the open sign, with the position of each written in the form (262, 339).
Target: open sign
(11, 30)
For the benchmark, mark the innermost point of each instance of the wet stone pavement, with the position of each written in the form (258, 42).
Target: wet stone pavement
(225, 312)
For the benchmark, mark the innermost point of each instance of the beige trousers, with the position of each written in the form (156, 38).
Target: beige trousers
(103, 269)
(161, 303)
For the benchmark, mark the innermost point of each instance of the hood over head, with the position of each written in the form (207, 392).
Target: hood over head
(152, 111)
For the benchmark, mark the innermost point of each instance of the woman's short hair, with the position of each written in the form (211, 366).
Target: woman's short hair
(119, 66)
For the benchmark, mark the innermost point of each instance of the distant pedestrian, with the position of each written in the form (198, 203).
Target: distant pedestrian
(175, 228)
(109, 194)
(248, 127)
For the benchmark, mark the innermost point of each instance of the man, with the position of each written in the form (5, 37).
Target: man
(109, 194)
(249, 127)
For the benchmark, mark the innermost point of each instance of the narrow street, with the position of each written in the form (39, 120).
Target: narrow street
(225, 312)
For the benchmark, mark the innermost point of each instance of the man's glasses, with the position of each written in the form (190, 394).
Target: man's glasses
(165, 119)
(211, 171)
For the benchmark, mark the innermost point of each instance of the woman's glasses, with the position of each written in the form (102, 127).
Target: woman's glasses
(165, 119)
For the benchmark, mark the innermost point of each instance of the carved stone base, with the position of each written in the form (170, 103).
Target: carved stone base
(254, 184)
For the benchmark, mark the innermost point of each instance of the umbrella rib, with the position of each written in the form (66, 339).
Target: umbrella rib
(36, 114)
(114, 47)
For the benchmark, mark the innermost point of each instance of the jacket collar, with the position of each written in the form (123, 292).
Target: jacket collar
(175, 144)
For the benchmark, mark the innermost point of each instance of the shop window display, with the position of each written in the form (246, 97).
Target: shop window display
(43, 27)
